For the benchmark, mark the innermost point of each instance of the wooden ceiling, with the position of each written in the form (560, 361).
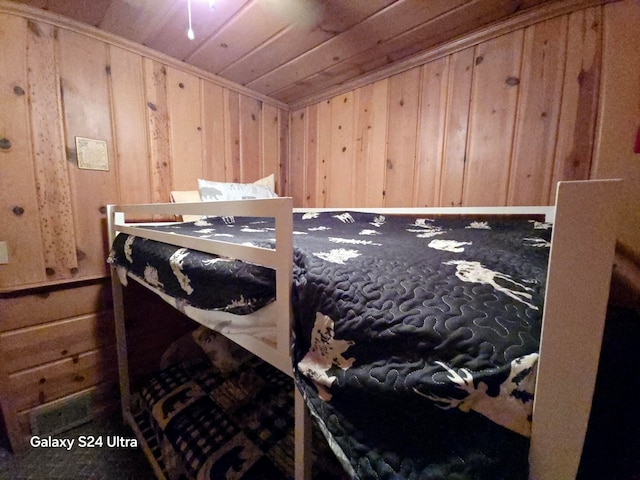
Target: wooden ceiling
(289, 49)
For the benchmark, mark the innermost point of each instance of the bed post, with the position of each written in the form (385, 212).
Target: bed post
(121, 335)
(578, 285)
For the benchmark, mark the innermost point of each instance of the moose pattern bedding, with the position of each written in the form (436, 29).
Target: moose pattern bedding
(403, 321)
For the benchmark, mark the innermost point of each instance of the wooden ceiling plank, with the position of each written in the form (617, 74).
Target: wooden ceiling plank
(343, 81)
(234, 40)
(171, 38)
(335, 17)
(393, 20)
(136, 21)
(33, 3)
(89, 11)
(452, 24)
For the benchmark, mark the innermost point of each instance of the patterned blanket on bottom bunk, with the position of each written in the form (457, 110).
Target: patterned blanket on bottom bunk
(216, 411)
(402, 314)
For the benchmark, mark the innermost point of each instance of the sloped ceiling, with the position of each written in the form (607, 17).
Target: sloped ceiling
(289, 49)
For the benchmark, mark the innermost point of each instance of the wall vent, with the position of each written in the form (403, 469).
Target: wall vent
(62, 415)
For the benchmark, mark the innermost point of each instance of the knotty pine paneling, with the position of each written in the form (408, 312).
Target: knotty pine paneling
(340, 166)
(578, 112)
(372, 133)
(250, 117)
(301, 160)
(19, 215)
(213, 136)
(49, 158)
(126, 73)
(402, 133)
(87, 113)
(323, 146)
(183, 93)
(494, 96)
(456, 128)
(159, 136)
(496, 123)
(269, 156)
(164, 127)
(433, 110)
(232, 136)
(538, 113)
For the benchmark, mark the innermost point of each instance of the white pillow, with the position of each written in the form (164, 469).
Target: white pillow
(186, 196)
(232, 191)
(269, 182)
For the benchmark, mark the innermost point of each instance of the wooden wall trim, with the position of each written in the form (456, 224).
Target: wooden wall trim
(41, 15)
(27, 288)
(516, 22)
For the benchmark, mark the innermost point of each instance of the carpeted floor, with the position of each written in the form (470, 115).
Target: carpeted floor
(111, 461)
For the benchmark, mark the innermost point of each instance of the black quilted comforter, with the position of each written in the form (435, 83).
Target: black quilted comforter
(416, 337)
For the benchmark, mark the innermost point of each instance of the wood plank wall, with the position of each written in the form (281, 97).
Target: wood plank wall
(164, 126)
(496, 123)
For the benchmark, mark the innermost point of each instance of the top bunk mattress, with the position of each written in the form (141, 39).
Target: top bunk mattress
(201, 280)
(447, 309)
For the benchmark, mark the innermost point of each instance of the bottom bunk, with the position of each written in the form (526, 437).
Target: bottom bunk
(213, 410)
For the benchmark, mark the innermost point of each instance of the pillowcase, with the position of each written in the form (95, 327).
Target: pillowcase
(211, 191)
(269, 182)
(186, 196)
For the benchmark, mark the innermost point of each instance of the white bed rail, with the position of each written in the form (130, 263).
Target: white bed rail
(280, 258)
(547, 211)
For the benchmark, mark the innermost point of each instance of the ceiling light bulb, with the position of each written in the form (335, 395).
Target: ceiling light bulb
(190, 34)
(212, 4)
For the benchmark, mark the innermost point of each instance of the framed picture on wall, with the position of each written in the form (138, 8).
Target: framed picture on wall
(92, 154)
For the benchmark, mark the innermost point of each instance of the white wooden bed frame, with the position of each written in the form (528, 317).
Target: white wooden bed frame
(585, 220)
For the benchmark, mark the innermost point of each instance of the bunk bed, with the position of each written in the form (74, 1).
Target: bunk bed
(559, 295)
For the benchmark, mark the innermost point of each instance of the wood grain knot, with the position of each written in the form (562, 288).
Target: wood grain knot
(512, 81)
(17, 211)
(5, 144)
(50, 271)
(18, 90)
